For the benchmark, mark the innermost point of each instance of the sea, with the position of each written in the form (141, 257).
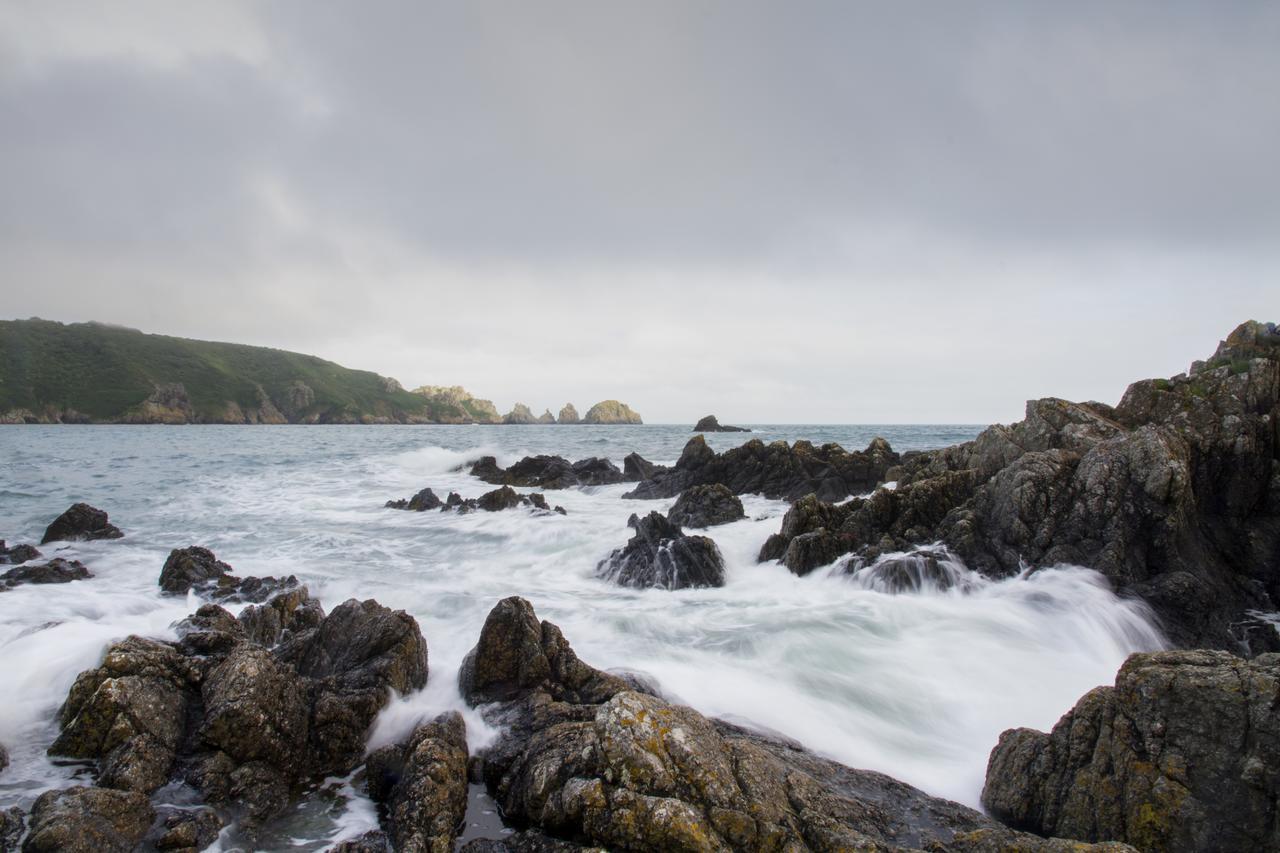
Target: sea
(918, 685)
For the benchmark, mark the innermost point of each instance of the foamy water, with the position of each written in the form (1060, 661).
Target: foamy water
(918, 685)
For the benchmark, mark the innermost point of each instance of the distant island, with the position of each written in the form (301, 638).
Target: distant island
(53, 373)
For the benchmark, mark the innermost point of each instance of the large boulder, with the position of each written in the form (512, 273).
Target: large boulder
(711, 424)
(56, 570)
(776, 470)
(422, 785)
(706, 506)
(80, 522)
(625, 770)
(88, 820)
(636, 468)
(1182, 754)
(10, 556)
(199, 569)
(611, 412)
(660, 554)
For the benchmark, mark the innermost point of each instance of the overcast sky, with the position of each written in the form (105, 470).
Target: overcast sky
(781, 212)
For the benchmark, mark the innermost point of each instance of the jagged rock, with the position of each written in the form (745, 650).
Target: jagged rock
(546, 417)
(421, 502)
(776, 470)
(932, 570)
(286, 613)
(13, 825)
(189, 830)
(636, 468)
(568, 415)
(548, 472)
(80, 522)
(661, 555)
(706, 506)
(56, 570)
(611, 412)
(423, 785)
(17, 554)
(710, 424)
(527, 841)
(499, 499)
(197, 568)
(625, 770)
(373, 841)
(1183, 753)
(88, 820)
(596, 471)
(519, 414)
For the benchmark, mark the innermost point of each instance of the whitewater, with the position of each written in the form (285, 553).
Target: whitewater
(917, 684)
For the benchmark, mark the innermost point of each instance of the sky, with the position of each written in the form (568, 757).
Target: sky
(800, 212)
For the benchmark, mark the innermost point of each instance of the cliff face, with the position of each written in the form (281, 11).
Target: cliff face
(455, 405)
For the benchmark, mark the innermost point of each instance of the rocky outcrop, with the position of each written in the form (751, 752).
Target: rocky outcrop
(17, 554)
(168, 403)
(661, 555)
(245, 724)
(568, 415)
(189, 830)
(422, 785)
(776, 470)
(548, 472)
(80, 522)
(456, 405)
(494, 501)
(13, 825)
(1182, 754)
(519, 414)
(611, 412)
(88, 820)
(420, 502)
(56, 570)
(636, 468)
(546, 417)
(706, 506)
(1173, 495)
(585, 759)
(197, 568)
(711, 424)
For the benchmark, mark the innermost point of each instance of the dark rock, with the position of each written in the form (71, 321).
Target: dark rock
(486, 468)
(710, 424)
(919, 571)
(596, 471)
(776, 470)
(706, 506)
(4, 757)
(191, 567)
(421, 502)
(499, 499)
(56, 570)
(423, 785)
(636, 468)
(13, 825)
(548, 472)
(17, 554)
(373, 841)
(79, 522)
(629, 771)
(519, 414)
(1183, 753)
(454, 501)
(661, 555)
(288, 612)
(88, 820)
(527, 841)
(190, 830)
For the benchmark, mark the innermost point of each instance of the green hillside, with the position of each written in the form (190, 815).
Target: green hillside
(88, 371)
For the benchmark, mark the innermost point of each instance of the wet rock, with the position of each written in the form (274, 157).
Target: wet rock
(421, 502)
(286, 613)
(423, 785)
(1183, 753)
(660, 554)
(374, 841)
(636, 468)
(706, 506)
(487, 469)
(189, 830)
(595, 471)
(710, 424)
(17, 554)
(625, 770)
(548, 472)
(919, 571)
(197, 568)
(13, 825)
(4, 757)
(88, 820)
(56, 570)
(776, 470)
(611, 412)
(80, 522)
(528, 841)
(499, 499)
(568, 415)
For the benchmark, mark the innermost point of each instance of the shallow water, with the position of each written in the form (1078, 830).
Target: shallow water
(918, 685)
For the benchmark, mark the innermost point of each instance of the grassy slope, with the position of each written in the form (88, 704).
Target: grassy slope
(103, 371)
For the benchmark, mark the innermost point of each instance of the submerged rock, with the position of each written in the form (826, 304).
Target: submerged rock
(582, 759)
(80, 522)
(710, 424)
(611, 412)
(196, 568)
(421, 502)
(88, 820)
(1183, 753)
(776, 470)
(56, 570)
(706, 506)
(660, 554)
(17, 554)
(422, 784)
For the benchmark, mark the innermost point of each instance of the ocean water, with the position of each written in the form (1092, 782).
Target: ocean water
(918, 685)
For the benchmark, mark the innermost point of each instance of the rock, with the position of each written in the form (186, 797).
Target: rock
(421, 502)
(456, 405)
(710, 424)
(1183, 753)
(168, 403)
(625, 770)
(611, 412)
(17, 554)
(88, 820)
(423, 785)
(548, 472)
(596, 471)
(568, 415)
(288, 612)
(80, 522)
(196, 568)
(546, 417)
(519, 414)
(661, 555)
(190, 830)
(636, 468)
(527, 841)
(373, 841)
(776, 470)
(13, 825)
(4, 757)
(1173, 495)
(499, 499)
(924, 570)
(56, 570)
(706, 506)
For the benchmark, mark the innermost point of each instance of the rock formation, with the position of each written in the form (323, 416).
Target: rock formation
(88, 820)
(519, 414)
(546, 417)
(547, 472)
(56, 570)
(456, 405)
(80, 522)
(1182, 754)
(420, 502)
(661, 555)
(706, 506)
(611, 412)
(422, 785)
(1174, 495)
(197, 568)
(711, 424)
(776, 470)
(568, 415)
(17, 554)
(494, 501)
